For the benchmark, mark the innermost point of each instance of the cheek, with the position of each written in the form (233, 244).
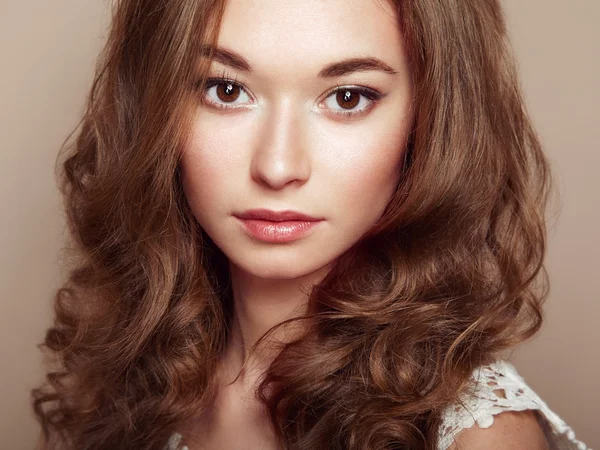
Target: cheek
(209, 154)
(210, 164)
(351, 164)
(364, 166)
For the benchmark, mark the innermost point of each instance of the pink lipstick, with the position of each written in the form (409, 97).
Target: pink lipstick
(277, 227)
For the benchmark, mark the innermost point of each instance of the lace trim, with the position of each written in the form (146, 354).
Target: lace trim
(502, 376)
(173, 443)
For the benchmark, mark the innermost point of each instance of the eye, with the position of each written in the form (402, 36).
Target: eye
(225, 93)
(352, 100)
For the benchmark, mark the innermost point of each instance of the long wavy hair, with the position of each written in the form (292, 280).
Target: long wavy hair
(451, 275)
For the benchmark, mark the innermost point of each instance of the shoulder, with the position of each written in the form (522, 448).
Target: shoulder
(500, 411)
(515, 430)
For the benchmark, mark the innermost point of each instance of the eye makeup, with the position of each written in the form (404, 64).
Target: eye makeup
(344, 96)
(347, 93)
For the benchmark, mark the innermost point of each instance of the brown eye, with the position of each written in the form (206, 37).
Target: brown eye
(347, 99)
(354, 101)
(225, 93)
(228, 92)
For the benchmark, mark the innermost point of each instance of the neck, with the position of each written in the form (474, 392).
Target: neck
(258, 305)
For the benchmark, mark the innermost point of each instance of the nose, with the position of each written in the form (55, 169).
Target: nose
(280, 158)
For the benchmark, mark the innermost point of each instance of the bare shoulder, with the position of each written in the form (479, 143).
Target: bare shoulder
(511, 430)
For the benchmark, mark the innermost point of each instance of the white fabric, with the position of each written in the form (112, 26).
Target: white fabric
(492, 383)
(173, 443)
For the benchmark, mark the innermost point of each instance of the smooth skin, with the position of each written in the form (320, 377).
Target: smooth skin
(285, 142)
(511, 430)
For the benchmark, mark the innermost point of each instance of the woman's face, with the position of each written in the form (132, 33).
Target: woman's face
(299, 129)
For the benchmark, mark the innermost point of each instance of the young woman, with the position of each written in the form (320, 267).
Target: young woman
(302, 224)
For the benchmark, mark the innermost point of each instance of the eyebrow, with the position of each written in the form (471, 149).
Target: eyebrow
(336, 69)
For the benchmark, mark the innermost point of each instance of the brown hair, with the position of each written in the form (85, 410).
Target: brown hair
(443, 283)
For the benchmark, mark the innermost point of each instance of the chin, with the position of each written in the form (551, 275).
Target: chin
(277, 269)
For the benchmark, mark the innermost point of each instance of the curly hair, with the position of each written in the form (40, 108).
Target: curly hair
(451, 275)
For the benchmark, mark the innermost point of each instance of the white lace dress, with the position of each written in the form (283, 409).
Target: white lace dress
(491, 382)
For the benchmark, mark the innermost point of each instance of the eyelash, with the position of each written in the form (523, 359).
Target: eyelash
(366, 91)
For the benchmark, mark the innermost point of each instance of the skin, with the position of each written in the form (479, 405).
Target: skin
(511, 430)
(284, 145)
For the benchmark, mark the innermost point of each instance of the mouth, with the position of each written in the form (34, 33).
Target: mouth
(278, 227)
(276, 216)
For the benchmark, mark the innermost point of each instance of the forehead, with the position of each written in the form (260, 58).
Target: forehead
(293, 35)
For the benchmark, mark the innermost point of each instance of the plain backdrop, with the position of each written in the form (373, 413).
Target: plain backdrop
(48, 51)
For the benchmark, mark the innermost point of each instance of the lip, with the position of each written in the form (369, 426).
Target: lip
(277, 227)
(276, 216)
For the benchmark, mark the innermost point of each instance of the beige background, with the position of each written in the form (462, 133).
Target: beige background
(48, 50)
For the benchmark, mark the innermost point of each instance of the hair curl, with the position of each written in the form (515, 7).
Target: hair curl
(443, 283)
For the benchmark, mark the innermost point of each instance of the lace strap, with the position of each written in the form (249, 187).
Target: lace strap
(490, 380)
